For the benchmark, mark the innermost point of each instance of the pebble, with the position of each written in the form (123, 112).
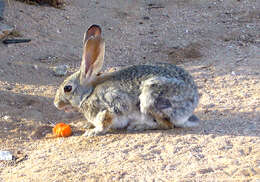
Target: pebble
(146, 18)
(246, 172)
(5, 155)
(35, 67)
(5, 30)
(210, 106)
(207, 170)
(60, 70)
(8, 88)
(7, 117)
(250, 25)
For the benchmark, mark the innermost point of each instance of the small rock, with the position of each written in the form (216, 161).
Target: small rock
(35, 67)
(257, 170)
(253, 171)
(250, 25)
(210, 106)
(60, 70)
(7, 117)
(146, 18)
(5, 155)
(191, 175)
(246, 172)
(19, 157)
(242, 152)
(8, 88)
(5, 30)
(207, 170)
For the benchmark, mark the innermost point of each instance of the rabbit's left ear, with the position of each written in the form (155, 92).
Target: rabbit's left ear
(93, 54)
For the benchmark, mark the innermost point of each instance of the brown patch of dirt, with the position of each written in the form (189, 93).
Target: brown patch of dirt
(54, 3)
(182, 54)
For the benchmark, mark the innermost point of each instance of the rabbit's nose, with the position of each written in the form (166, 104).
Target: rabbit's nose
(59, 104)
(56, 104)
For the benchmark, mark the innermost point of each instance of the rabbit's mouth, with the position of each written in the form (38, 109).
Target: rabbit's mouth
(70, 109)
(64, 106)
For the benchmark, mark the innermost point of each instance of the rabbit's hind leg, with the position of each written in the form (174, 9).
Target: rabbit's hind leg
(151, 90)
(164, 100)
(169, 116)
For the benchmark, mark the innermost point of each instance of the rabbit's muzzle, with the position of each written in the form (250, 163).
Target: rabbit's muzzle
(59, 104)
(63, 106)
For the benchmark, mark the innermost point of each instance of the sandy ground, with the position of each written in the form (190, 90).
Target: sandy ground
(217, 41)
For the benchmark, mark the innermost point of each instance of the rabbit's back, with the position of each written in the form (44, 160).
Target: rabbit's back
(131, 77)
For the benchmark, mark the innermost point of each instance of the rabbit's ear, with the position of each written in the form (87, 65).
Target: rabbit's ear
(93, 55)
(93, 30)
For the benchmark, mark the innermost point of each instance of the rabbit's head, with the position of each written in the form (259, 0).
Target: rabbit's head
(77, 87)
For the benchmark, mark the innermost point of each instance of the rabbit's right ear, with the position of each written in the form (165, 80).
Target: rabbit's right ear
(93, 54)
(93, 30)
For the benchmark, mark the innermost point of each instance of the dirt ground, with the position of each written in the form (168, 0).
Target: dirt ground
(217, 41)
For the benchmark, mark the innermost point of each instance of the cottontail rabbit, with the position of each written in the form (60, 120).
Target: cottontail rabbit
(138, 97)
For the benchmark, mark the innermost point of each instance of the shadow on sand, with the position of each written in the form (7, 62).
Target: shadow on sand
(27, 117)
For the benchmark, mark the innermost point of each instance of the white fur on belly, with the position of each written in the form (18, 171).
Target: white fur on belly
(120, 122)
(135, 120)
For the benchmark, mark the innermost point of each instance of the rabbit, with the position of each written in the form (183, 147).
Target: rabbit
(136, 97)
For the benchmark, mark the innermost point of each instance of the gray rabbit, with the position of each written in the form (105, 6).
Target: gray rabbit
(137, 97)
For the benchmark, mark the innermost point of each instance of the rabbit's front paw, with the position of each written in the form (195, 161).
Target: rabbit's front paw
(92, 132)
(89, 126)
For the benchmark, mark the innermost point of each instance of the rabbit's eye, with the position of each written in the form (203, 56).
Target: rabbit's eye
(67, 88)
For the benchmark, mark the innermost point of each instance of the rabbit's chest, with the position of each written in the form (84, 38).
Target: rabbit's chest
(113, 99)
